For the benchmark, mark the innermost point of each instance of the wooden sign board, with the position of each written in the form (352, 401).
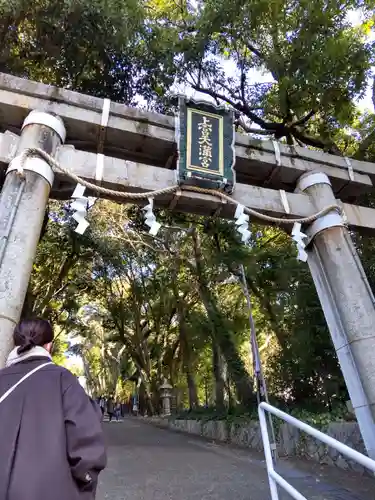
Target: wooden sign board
(205, 139)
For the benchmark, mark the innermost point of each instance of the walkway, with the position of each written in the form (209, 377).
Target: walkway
(147, 463)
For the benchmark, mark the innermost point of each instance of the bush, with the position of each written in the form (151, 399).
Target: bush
(238, 414)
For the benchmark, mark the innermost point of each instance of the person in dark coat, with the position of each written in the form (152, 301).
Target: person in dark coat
(110, 408)
(52, 445)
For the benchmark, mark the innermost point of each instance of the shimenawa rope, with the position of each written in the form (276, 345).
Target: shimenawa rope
(171, 189)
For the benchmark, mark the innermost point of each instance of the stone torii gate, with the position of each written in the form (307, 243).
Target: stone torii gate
(129, 150)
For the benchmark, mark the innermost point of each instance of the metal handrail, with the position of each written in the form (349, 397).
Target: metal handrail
(273, 477)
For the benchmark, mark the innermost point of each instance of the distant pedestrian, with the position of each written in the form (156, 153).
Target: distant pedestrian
(117, 411)
(52, 445)
(102, 405)
(110, 408)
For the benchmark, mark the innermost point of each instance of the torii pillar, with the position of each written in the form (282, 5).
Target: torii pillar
(23, 201)
(347, 301)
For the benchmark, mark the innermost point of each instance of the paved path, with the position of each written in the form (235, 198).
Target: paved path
(148, 463)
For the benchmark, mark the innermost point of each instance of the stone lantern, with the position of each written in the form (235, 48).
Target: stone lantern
(166, 396)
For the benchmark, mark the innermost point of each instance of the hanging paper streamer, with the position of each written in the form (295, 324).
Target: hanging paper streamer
(298, 237)
(150, 219)
(242, 223)
(79, 206)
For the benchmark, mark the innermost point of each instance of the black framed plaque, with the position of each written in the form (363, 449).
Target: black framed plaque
(205, 140)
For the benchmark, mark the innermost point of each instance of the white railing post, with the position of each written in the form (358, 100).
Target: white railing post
(267, 453)
(273, 477)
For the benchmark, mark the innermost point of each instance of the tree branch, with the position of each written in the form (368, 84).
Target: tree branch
(255, 51)
(242, 107)
(243, 81)
(251, 130)
(364, 145)
(276, 128)
(304, 120)
(316, 142)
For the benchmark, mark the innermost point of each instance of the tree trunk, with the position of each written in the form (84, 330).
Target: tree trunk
(267, 309)
(229, 392)
(185, 345)
(221, 334)
(54, 287)
(192, 390)
(218, 370)
(28, 305)
(145, 392)
(187, 365)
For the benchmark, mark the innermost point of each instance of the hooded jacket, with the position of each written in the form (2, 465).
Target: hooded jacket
(52, 444)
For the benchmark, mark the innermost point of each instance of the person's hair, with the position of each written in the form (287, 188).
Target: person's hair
(32, 332)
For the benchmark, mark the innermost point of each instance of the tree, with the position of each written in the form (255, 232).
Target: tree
(60, 272)
(95, 47)
(143, 308)
(316, 63)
